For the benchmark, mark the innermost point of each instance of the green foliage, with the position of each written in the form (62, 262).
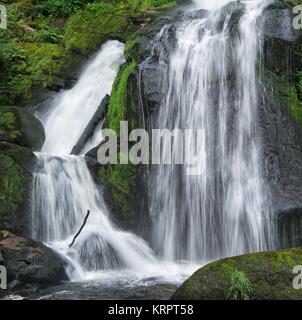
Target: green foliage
(241, 288)
(45, 36)
(59, 7)
(27, 66)
(88, 28)
(11, 185)
(49, 34)
(161, 3)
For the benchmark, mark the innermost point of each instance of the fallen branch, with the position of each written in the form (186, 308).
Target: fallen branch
(83, 225)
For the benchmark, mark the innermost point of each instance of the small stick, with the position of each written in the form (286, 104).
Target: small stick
(83, 225)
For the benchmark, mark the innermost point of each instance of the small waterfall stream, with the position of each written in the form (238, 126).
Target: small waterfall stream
(64, 190)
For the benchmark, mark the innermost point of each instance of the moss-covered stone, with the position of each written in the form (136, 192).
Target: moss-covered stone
(257, 276)
(17, 164)
(120, 184)
(21, 127)
(11, 185)
(88, 28)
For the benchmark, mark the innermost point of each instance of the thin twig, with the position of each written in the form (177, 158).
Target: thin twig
(83, 225)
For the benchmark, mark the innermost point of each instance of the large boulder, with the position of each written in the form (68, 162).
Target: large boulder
(20, 127)
(29, 261)
(257, 276)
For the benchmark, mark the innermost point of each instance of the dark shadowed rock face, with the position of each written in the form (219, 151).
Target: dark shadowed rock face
(280, 110)
(258, 276)
(29, 261)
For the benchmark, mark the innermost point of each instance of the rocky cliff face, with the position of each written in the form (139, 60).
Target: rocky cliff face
(280, 118)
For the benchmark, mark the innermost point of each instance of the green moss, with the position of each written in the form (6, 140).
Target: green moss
(295, 105)
(287, 92)
(11, 185)
(88, 28)
(117, 105)
(29, 66)
(8, 127)
(300, 85)
(149, 4)
(283, 259)
(118, 176)
(120, 179)
(132, 47)
(259, 276)
(292, 2)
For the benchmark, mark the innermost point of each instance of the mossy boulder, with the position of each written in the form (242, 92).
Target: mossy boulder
(257, 276)
(16, 167)
(20, 127)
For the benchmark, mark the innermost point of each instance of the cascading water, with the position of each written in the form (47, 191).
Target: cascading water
(225, 211)
(213, 86)
(64, 190)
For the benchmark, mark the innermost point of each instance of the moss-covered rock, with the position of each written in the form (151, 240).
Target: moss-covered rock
(88, 28)
(16, 166)
(11, 185)
(21, 127)
(257, 276)
(20, 133)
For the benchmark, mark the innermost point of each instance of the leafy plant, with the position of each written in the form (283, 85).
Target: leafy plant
(241, 288)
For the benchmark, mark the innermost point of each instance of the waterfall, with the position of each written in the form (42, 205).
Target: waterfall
(63, 189)
(213, 85)
(225, 211)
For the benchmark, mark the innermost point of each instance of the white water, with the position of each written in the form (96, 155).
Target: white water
(64, 190)
(72, 109)
(225, 211)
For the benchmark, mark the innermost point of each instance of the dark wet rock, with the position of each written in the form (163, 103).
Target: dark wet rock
(90, 128)
(289, 227)
(196, 14)
(29, 261)
(20, 127)
(257, 276)
(278, 23)
(280, 120)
